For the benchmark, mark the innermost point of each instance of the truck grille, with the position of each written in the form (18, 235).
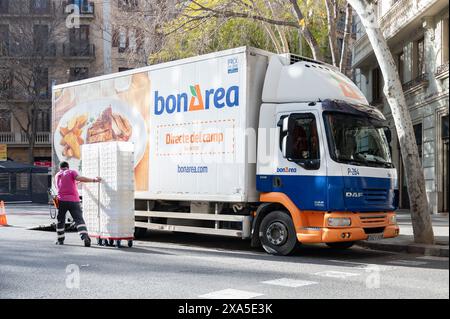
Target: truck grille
(375, 196)
(373, 220)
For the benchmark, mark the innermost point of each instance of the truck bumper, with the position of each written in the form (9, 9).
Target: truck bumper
(357, 231)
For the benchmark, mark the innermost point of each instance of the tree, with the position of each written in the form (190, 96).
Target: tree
(27, 55)
(180, 28)
(420, 211)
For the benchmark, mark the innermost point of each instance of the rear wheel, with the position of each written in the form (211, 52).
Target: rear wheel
(277, 234)
(341, 245)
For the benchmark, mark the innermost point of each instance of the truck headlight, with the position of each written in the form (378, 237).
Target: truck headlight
(339, 221)
(393, 219)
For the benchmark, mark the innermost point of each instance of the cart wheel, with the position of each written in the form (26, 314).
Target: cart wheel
(111, 242)
(130, 243)
(118, 244)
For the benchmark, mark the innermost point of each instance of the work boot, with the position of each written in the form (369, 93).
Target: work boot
(87, 241)
(59, 242)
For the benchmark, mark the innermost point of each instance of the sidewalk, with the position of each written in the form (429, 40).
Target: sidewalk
(405, 242)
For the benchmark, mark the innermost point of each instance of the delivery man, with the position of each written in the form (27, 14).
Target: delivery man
(69, 200)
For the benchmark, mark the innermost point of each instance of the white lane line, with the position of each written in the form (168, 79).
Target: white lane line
(436, 258)
(364, 266)
(408, 262)
(335, 274)
(231, 294)
(286, 282)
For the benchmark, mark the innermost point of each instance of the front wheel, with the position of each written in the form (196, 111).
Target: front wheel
(341, 245)
(277, 234)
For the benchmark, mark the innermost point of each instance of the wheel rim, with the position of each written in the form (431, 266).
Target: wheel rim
(276, 233)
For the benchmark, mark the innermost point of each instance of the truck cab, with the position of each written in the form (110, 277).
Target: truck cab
(324, 167)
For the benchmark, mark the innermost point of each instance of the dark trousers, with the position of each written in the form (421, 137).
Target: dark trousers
(74, 209)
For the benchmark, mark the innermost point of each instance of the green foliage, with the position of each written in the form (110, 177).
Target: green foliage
(190, 36)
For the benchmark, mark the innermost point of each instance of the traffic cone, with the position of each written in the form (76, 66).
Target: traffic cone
(3, 221)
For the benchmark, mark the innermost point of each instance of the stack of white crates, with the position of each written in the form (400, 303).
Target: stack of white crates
(108, 207)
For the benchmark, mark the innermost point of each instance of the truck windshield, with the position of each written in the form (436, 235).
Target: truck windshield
(357, 140)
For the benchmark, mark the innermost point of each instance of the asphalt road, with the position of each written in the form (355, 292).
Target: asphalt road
(166, 265)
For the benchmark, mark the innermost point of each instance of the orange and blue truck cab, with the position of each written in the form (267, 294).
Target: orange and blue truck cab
(328, 173)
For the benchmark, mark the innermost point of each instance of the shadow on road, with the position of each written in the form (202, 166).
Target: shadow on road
(315, 254)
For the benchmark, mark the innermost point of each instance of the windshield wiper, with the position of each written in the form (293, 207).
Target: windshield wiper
(385, 164)
(352, 162)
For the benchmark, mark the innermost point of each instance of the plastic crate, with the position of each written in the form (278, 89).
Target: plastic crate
(109, 206)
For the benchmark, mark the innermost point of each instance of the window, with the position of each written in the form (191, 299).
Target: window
(40, 78)
(84, 6)
(79, 41)
(418, 134)
(40, 38)
(401, 66)
(5, 82)
(304, 137)
(376, 86)
(357, 140)
(4, 40)
(420, 60)
(5, 120)
(445, 35)
(4, 6)
(444, 127)
(43, 120)
(123, 40)
(77, 74)
(39, 6)
(128, 4)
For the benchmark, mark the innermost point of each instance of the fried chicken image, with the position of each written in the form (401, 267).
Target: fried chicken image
(109, 127)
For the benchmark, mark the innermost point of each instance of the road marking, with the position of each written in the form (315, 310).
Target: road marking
(436, 258)
(408, 262)
(231, 294)
(335, 274)
(364, 266)
(286, 282)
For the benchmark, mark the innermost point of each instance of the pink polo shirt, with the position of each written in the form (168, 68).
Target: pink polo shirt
(67, 187)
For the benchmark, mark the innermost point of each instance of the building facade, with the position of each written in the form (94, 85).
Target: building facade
(46, 42)
(417, 32)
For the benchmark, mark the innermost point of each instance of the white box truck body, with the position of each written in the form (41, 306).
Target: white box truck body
(217, 147)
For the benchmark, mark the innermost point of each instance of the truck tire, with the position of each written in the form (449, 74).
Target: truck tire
(277, 234)
(341, 245)
(139, 232)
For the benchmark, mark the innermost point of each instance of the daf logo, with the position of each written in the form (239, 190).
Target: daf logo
(353, 194)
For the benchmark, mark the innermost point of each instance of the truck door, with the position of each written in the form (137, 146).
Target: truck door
(301, 167)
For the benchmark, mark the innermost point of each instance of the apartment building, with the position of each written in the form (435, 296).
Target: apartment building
(45, 42)
(417, 32)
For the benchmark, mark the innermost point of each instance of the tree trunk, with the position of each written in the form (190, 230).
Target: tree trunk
(332, 31)
(345, 43)
(306, 33)
(420, 212)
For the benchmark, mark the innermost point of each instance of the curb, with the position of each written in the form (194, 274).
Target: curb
(411, 248)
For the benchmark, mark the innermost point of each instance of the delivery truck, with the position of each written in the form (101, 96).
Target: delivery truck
(277, 149)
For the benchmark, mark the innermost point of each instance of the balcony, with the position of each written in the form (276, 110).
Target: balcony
(79, 50)
(87, 9)
(442, 71)
(399, 18)
(20, 138)
(45, 50)
(416, 84)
